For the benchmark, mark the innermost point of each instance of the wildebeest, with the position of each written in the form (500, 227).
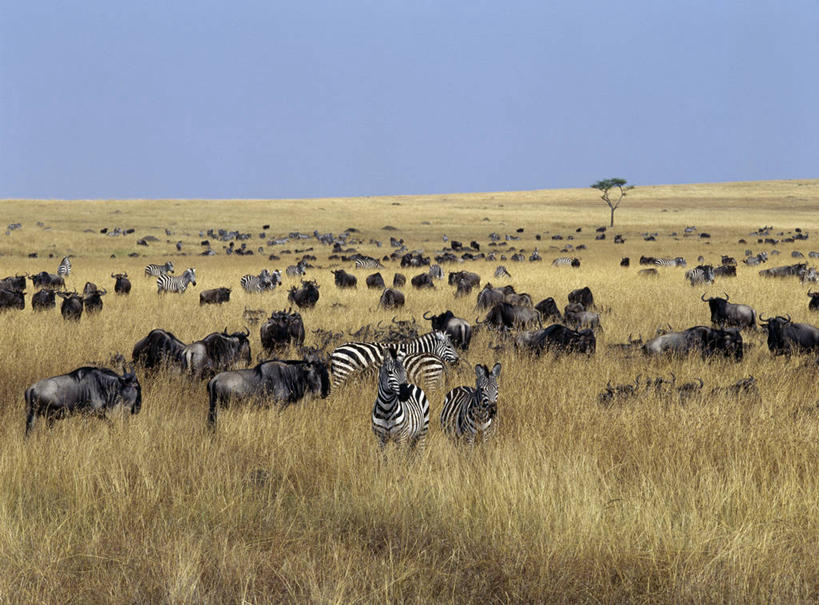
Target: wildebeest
(375, 281)
(12, 299)
(625, 261)
(725, 271)
(399, 280)
(344, 279)
(214, 296)
(652, 272)
(728, 260)
(784, 271)
(47, 280)
(505, 316)
(280, 381)
(422, 280)
(122, 285)
(15, 282)
(470, 278)
(786, 337)
(813, 305)
(488, 297)
(43, 299)
(72, 305)
(548, 309)
(92, 298)
(582, 296)
(558, 339)
(216, 352)
(728, 314)
(577, 317)
(391, 299)
(159, 348)
(464, 288)
(708, 341)
(86, 389)
(458, 330)
(306, 296)
(281, 330)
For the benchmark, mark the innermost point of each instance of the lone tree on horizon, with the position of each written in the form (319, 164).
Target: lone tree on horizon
(607, 185)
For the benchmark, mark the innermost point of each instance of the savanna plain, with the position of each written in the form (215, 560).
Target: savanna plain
(651, 500)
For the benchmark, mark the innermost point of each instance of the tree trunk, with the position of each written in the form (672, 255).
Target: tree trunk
(612, 218)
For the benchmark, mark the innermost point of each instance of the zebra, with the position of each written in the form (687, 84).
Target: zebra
(565, 261)
(355, 357)
(366, 262)
(65, 267)
(700, 274)
(176, 283)
(502, 272)
(469, 411)
(157, 270)
(670, 262)
(401, 410)
(296, 270)
(259, 283)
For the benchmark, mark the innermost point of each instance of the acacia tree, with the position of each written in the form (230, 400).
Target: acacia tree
(607, 185)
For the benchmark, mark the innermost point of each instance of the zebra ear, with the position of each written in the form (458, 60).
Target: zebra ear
(480, 371)
(496, 369)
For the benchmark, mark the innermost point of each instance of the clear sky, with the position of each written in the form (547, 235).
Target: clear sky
(157, 98)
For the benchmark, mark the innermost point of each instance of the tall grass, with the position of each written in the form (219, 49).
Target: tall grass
(647, 501)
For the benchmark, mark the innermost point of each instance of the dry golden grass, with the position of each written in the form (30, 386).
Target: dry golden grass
(651, 501)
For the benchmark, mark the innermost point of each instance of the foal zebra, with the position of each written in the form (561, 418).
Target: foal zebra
(670, 262)
(401, 410)
(65, 267)
(157, 270)
(366, 262)
(175, 283)
(469, 411)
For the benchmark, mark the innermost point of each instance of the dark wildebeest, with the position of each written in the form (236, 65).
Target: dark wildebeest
(375, 281)
(283, 382)
(813, 305)
(281, 330)
(786, 337)
(306, 296)
(15, 282)
(505, 316)
(577, 317)
(344, 279)
(548, 309)
(625, 261)
(399, 280)
(422, 280)
(710, 342)
(92, 298)
(725, 271)
(728, 314)
(47, 280)
(458, 330)
(391, 298)
(558, 339)
(582, 296)
(464, 288)
(12, 299)
(472, 279)
(86, 389)
(728, 260)
(488, 297)
(122, 285)
(215, 296)
(159, 348)
(784, 271)
(216, 352)
(72, 306)
(43, 299)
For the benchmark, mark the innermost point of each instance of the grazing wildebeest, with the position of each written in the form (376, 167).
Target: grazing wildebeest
(216, 352)
(281, 330)
(577, 317)
(306, 296)
(728, 314)
(72, 306)
(625, 261)
(391, 299)
(344, 279)
(16, 282)
(399, 280)
(280, 381)
(582, 296)
(464, 288)
(488, 297)
(784, 271)
(214, 296)
(92, 298)
(471, 279)
(710, 342)
(505, 316)
(813, 305)
(725, 271)
(43, 299)
(422, 280)
(159, 348)
(459, 330)
(375, 281)
(86, 389)
(558, 339)
(12, 299)
(47, 280)
(122, 285)
(786, 337)
(548, 309)
(728, 260)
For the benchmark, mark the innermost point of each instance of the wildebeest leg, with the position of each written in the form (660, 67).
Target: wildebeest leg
(30, 416)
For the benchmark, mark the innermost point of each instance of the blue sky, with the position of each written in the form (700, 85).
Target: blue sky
(102, 99)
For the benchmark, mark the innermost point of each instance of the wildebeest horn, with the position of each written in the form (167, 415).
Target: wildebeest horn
(673, 379)
(762, 319)
(702, 298)
(810, 293)
(727, 298)
(393, 320)
(247, 331)
(702, 384)
(102, 292)
(788, 317)
(114, 276)
(425, 315)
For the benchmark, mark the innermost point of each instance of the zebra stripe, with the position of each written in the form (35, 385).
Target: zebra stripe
(437, 343)
(176, 283)
(700, 274)
(261, 282)
(157, 270)
(366, 262)
(362, 357)
(65, 267)
(670, 262)
(468, 412)
(563, 261)
(401, 410)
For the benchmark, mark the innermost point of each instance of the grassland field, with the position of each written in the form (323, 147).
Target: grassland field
(648, 501)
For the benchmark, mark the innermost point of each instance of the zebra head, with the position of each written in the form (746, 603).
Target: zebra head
(189, 274)
(169, 268)
(392, 374)
(276, 277)
(486, 392)
(443, 348)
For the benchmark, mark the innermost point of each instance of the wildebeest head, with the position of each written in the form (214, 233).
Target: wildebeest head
(813, 305)
(582, 296)
(548, 308)
(16, 282)
(122, 285)
(92, 298)
(12, 299)
(72, 305)
(439, 322)
(391, 298)
(318, 378)
(130, 390)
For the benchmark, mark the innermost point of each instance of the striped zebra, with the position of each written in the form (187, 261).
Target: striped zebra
(670, 262)
(366, 262)
(358, 357)
(296, 270)
(176, 283)
(255, 284)
(701, 274)
(401, 410)
(468, 412)
(65, 267)
(566, 261)
(157, 270)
